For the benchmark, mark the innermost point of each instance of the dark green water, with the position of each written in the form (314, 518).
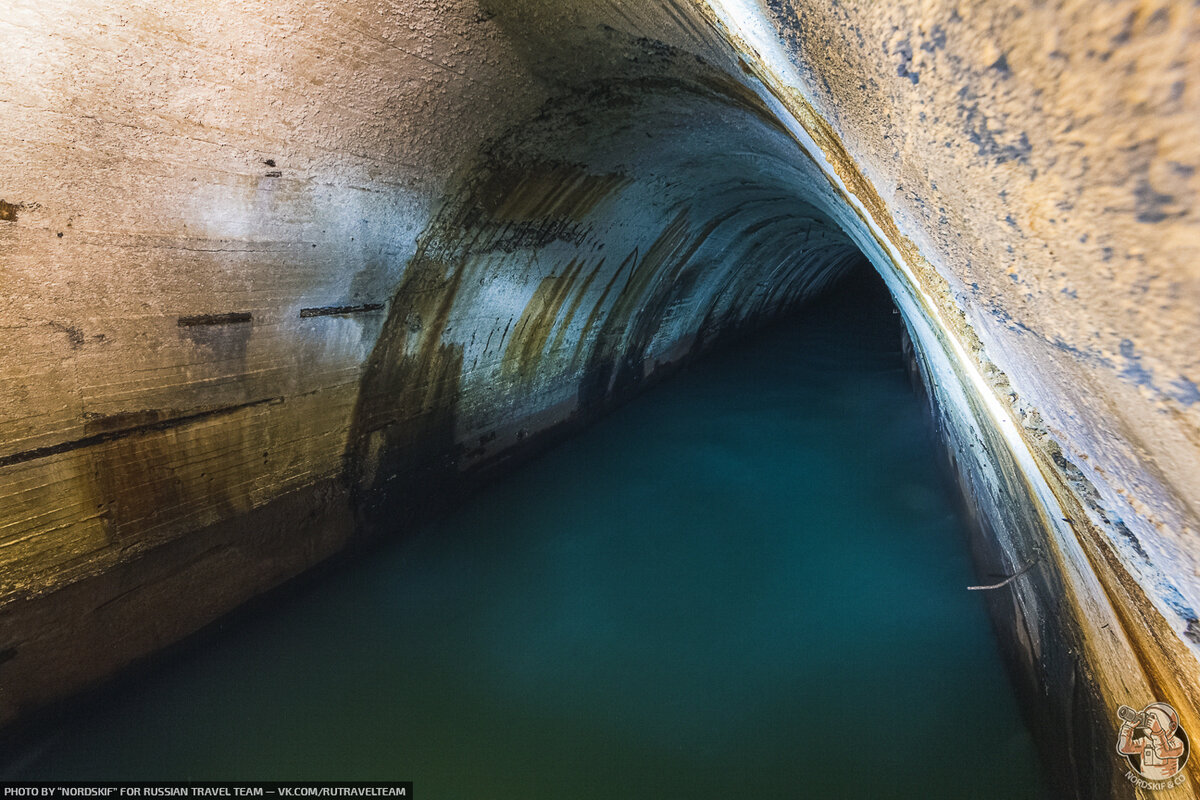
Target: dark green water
(748, 583)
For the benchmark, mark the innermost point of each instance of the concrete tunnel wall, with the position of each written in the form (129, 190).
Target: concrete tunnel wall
(274, 270)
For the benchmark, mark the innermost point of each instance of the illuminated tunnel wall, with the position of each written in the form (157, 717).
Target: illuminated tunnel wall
(277, 275)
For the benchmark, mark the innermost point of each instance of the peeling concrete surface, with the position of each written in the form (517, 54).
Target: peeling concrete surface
(314, 266)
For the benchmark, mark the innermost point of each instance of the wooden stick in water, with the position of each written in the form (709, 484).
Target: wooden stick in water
(1006, 581)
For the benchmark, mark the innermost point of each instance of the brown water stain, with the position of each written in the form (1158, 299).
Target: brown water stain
(572, 309)
(402, 431)
(152, 477)
(533, 329)
(666, 273)
(599, 306)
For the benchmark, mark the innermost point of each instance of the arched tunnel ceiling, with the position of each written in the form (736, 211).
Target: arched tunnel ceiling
(255, 249)
(649, 207)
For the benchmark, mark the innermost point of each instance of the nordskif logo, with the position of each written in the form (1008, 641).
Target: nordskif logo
(1154, 744)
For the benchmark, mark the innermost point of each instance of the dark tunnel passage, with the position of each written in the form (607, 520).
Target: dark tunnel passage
(718, 588)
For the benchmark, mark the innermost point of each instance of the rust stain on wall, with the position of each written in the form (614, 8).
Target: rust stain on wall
(402, 432)
(573, 308)
(533, 329)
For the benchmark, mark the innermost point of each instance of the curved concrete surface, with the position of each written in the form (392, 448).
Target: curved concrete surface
(274, 272)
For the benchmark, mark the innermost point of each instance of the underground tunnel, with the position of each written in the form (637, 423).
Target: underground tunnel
(296, 289)
(688, 596)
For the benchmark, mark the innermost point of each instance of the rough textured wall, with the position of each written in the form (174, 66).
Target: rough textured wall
(179, 184)
(1042, 157)
(274, 271)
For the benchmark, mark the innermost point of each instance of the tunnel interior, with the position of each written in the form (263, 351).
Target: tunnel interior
(638, 216)
(286, 282)
(713, 588)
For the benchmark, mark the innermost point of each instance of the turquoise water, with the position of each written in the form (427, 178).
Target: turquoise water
(750, 582)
